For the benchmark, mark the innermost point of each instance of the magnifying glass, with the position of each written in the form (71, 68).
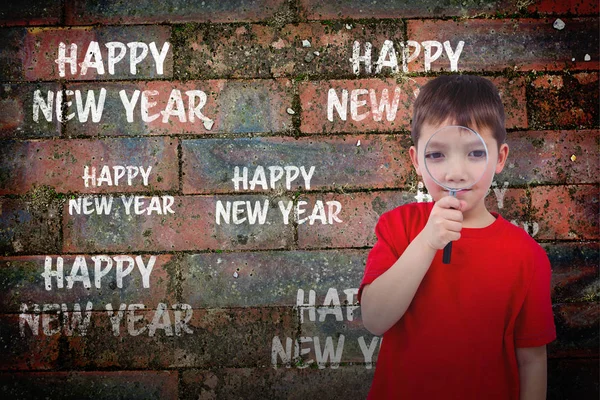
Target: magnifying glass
(456, 158)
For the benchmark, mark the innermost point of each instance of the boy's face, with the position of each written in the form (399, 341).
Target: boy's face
(475, 195)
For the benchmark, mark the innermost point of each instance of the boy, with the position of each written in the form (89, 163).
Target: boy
(476, 328)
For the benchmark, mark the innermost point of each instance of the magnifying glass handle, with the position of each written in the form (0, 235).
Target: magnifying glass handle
(447, 253)
(448, 249)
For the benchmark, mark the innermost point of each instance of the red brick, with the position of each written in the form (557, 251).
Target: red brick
(348, 162)
(150, 12)
(522, 44)
(30, 225)
(220, 338)
(191, 227)
(314, 97)
(564, 101)
(346, 382)
(576, 7)
(16, 120)
(577, 330)
(360, 212)
(97, 384)
(551, 157)
(255, 106)
(548, 82)
(267, 51)
(28, 352)
(32, 52)
(356, 9)
(23, 283)
(512, 91)
(574, 271)
(60, 164)
(31, 12)
(268, 278)
(573, 379)
(566, 212)
(585, 78)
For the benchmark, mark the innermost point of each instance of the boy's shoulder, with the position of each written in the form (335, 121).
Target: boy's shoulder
(522, 243)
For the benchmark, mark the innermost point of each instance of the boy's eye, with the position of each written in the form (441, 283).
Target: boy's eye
(477, 154)
(434, 155)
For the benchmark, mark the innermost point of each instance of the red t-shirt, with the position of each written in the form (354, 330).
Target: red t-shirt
(457, 338)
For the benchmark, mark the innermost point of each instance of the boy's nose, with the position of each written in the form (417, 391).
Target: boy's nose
(456, 174)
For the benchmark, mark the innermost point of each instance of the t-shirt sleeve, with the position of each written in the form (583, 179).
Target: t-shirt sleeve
(535, 322)
(391, 243)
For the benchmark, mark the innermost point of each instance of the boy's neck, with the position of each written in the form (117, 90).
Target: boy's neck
(479, 217)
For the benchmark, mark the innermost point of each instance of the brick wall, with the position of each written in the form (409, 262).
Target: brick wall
(188, 196)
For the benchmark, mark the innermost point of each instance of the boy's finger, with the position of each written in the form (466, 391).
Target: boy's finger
(453, 215)
(453, 226)
(449, 202)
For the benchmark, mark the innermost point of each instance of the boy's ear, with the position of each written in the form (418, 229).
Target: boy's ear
(415, 159)
(502, 157)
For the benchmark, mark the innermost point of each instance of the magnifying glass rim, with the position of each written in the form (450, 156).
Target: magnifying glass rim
(487, 158)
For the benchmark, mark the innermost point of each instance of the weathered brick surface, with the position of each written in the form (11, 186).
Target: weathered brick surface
(569, 101)
(31, 12)
(574, 271)
(551, 157)
(576, 7)
(149, 12)
(282, 383)
(527, 44)
(566, 212)
(576, 329)
(23, 282)
(28, 352)
(356, 9)
(269, 278)
(31, 52)
(360, 212)
(17, 117)
(573, 379)
(366, 117)
(350, 161)
(299, 50)
(60, 164)
(30, 225)
(220, 338)
(90, 385)
(244, 106)
(192, 226)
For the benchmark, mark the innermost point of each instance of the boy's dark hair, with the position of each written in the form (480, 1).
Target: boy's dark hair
(468, 100)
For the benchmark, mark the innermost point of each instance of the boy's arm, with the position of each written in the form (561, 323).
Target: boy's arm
(532, 372)
(387, 298)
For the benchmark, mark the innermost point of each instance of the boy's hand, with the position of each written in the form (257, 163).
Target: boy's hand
(445, 222)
